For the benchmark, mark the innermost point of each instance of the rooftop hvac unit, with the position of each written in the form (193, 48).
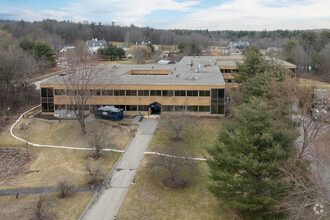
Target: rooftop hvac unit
(198, 68)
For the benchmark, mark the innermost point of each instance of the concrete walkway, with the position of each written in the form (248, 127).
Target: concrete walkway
(107, 203)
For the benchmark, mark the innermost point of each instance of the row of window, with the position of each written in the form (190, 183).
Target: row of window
(178, 108)
(167, 93)
(165, 108)
(230, 81)
(145, 108)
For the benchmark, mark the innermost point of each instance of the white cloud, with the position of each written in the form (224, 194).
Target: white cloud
(31, 15)
(126, 12)
(228, 15)
(120, 11)
(259, 15)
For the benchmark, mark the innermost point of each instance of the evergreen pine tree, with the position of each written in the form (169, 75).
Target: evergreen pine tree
(244, 162)
(254, 63)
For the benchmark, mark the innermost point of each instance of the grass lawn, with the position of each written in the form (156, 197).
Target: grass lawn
(122, 61)
(166, 47)
(48, 71)
(56, 164)
(64, 209)
(160, 47)
(68, 133)
(317, 84)
(147, 199)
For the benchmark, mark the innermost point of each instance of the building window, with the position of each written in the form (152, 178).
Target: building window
(120, 107)
(107, 92)
(229, 80)
(192, 93)
(95, 92)
(119, 92)
(143, 108)
(180, 92)
(204, 108)
(143, 93)
(204, 93)
(131, 108)
(167, 108)
(47, 99)
(217, 101)
(167, 92)
(155, 92)
(47, 107)
(192, 108)
(131, 93)
(179, 108)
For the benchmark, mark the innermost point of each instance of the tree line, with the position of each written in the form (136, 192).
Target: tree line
(60, 33)
(19, 61)
(310, 49)
(256, 167)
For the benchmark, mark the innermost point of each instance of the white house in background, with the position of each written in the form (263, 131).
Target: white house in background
(239, 44)
(94, 44)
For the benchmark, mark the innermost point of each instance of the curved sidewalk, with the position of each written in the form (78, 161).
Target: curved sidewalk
(51, 146)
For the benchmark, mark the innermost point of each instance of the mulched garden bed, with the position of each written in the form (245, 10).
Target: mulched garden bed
(13, 162)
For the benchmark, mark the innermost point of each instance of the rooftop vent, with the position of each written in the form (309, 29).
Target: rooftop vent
(194, 78)
(198, 68)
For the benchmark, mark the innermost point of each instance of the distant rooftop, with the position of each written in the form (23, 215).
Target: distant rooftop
(96, 43)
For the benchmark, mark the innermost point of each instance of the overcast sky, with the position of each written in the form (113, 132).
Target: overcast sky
(168, 14)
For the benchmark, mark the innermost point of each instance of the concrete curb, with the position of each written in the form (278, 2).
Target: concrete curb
(167, 155)
(51, 146)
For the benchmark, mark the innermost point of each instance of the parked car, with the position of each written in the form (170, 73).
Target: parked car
(65, 73)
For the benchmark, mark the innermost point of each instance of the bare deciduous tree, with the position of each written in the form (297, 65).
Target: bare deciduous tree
(325, 65)
(40, 209)
(310, 127)
(141, 54)
(95, 174)
(78, 87)
(14, 69)
(174, 163)
(307, 172)
(308, 189)
(65, 188)
(96, 140)
(178, 123)
(235, 99)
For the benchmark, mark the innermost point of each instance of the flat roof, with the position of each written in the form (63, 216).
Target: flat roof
(181, 73)
(204, 71)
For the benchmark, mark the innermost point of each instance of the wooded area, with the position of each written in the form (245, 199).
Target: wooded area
(60, 33)
(301, 47)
